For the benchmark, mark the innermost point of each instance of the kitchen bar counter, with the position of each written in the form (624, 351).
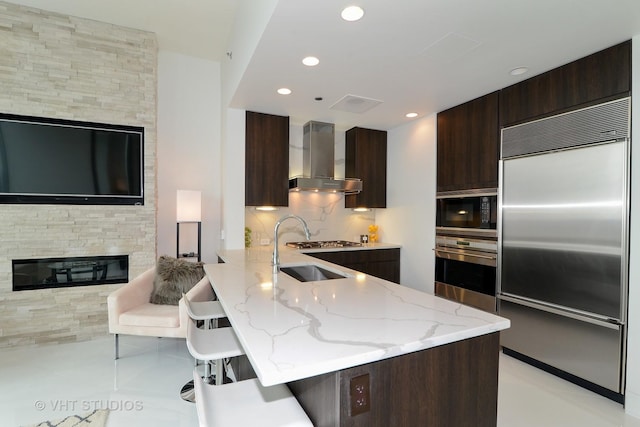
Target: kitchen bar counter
(292, 330)
(361, 351)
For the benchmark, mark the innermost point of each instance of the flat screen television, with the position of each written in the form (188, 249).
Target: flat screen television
(54, 161)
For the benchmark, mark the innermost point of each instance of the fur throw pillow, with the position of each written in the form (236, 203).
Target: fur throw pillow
(173, 278)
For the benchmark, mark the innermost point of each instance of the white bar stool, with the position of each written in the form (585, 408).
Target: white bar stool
(211, 344)
(208, 312)
(247, 404)
(239, 404)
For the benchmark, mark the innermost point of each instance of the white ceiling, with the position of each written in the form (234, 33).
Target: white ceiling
(413, 55)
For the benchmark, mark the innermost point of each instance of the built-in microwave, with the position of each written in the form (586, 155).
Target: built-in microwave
(467, 212)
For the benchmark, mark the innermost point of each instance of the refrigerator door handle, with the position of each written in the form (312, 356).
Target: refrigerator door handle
(594, 319)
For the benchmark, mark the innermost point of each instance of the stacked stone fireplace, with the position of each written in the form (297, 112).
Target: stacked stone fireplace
(65, 67)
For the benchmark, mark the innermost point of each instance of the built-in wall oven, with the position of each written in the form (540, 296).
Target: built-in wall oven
(466, 247)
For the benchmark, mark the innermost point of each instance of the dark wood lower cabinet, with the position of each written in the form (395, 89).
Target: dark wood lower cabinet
(382, 263)
(454, 385)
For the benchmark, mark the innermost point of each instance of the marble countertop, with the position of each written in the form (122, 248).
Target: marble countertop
(292, 330)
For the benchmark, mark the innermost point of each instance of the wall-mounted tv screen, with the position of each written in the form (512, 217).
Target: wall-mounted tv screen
(53, 161)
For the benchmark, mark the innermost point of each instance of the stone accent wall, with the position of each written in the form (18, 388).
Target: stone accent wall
(52, 65)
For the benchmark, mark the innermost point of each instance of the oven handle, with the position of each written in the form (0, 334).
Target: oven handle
(472, 258)
(476, 255)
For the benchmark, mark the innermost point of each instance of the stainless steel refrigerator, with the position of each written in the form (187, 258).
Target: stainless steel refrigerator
(563, 244)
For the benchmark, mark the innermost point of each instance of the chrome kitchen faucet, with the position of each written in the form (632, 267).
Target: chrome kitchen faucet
(275, 260)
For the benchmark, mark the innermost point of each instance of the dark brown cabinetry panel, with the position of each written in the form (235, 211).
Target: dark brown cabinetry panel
(467, 146)
(366, 158)
(266, 160)
(382, 263)
(602, 75)
(451, 385)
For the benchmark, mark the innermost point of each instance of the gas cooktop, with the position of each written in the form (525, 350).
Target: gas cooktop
(323, 244)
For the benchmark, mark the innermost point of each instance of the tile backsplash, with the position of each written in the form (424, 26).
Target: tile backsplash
(324, 213)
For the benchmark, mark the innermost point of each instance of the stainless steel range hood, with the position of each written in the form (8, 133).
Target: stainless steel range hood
(318, 153)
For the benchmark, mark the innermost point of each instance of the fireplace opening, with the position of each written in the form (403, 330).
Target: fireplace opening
(46, 273)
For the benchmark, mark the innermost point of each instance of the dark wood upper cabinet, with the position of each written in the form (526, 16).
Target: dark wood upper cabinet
(366, 158)
(594, 78)
(266, 160)
(467, 145)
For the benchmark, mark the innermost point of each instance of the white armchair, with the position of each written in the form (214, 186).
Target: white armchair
(131, 313)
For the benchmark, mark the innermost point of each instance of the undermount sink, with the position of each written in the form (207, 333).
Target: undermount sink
(311, 273)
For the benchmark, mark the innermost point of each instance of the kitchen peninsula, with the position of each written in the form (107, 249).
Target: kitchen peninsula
(360, 350)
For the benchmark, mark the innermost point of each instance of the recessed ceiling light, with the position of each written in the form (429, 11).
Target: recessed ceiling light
(284, 91)
(352, 13)
(411, 115)
(518, 71)
(311, 61)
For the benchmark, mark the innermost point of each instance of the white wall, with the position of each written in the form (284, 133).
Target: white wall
(409, 218)
(250, 20)
(233, 207)
(632, 403)
(189, 146)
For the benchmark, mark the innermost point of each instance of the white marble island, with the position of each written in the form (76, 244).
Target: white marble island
(303, 332)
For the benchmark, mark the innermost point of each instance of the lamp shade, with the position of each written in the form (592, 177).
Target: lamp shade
(188, 206)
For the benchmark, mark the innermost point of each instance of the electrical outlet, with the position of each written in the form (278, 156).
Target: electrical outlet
(359, 395)
(265, 242)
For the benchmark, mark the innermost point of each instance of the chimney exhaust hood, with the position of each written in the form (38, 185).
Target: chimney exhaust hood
(318, 148)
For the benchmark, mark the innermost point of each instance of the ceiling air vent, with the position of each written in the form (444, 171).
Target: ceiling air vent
(355, 104)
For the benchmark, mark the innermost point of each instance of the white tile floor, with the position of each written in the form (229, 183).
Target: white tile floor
(529, 397)
(142, 388)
